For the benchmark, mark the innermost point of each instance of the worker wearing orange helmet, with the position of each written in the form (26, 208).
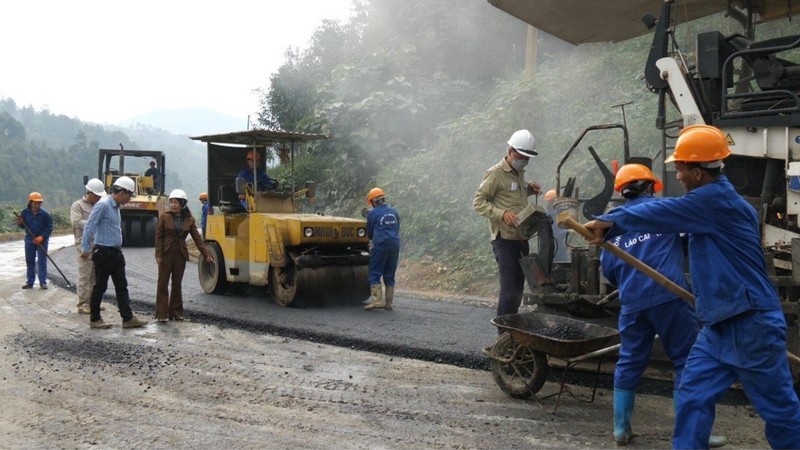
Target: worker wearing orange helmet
(648, 309)
(743, 329)
(255, 175)
(383, 231)
(38, 225)
(207, 209)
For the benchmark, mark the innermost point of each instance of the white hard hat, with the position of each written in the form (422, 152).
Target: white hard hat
(125, 183)
(96, 187)
(524, 143)
(179, 194)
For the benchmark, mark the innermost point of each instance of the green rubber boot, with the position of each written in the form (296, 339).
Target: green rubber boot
(377, 297)
(623, 409)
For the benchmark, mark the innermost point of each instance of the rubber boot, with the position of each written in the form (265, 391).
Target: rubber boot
(623, 409)
(377, 297)
(389, 297)
(713, 441)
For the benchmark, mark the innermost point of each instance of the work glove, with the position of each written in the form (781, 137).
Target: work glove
(38, 240)
(20, 220)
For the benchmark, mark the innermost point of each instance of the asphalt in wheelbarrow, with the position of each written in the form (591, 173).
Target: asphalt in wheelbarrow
(561, 337)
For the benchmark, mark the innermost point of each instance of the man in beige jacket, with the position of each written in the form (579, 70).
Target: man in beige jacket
(502, 194)
(78, 214)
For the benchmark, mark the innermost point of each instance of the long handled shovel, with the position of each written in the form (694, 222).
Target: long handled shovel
(565, 219)
(69, 285)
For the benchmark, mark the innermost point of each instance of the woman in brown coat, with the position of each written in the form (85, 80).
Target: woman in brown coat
(171, 254)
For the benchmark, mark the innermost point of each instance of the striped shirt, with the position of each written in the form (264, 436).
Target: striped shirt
(104, 225)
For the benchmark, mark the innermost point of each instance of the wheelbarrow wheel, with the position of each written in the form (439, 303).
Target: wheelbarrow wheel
(524, 375)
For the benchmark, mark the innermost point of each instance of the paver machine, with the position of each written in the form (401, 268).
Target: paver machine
(748, 88)
(140, 214)
(260, 238)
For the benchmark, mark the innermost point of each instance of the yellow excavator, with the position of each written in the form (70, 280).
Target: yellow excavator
(259, 238)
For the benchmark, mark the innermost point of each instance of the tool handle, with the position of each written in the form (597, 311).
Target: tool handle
(564, 218)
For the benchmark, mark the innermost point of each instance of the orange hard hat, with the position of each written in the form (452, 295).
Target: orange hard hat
(636, 172)
(35, 197)
(203, 196)
(374, 193)
(550, 195)
(253, 154)
(700, 143)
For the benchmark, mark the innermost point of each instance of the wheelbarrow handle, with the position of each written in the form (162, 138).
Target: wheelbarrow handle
(565, 219)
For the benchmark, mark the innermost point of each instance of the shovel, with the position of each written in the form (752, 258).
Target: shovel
(569, 222)
(564, 218)
(69, 285)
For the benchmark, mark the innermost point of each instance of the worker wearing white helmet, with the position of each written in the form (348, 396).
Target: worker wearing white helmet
(78, 214)
(171, 254)
(104, 229)
(502, 194)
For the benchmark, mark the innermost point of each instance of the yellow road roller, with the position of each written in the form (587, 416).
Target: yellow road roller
(258, 237)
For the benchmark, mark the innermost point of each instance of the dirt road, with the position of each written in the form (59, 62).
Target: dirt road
(190, 385)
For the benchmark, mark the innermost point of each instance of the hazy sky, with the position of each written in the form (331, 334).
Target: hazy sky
(107, 60)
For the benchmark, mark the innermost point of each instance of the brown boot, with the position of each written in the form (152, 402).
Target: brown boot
(377, 297)
(389, 297)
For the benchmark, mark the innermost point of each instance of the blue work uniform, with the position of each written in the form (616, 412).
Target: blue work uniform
(743, 335)
(40, 224)
(264, 183)
(204, 215)
(648, 308)
(383, 229)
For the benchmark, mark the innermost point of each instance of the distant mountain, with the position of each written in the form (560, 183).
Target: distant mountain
(190, 121)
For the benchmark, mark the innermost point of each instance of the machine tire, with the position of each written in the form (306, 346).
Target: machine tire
(283, 285)
(212, 275)
(149, 235)
(523, 376)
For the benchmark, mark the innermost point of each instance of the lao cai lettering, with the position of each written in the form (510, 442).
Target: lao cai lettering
(388, 219)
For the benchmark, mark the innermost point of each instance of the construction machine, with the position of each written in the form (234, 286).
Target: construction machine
(259, 237)
(749, 88)
(140, 214)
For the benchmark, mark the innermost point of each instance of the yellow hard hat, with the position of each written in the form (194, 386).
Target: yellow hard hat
(203, 196)
(35, 197)
(635, 172)
(700, 143)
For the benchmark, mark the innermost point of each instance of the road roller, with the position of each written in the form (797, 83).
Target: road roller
(140, 215)
(259, 237)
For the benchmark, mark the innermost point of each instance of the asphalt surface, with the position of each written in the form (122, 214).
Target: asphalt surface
(438, 331)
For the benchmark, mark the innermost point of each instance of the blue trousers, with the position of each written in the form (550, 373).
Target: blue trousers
(748, 348)
(32, 252)
(507, 253)
(675, 324)
(383, 263)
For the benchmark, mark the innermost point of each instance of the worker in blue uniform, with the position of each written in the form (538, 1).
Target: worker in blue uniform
(383, 231)
(255, 176)
(38, 225)
(648, 308)
(743, 334)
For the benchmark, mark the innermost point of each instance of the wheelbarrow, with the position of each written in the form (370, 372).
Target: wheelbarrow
(520, 354)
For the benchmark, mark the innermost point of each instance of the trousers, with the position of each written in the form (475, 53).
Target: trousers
(110, 262)
(507, 253)
(169, 303)
(85, 280)
(32, 252)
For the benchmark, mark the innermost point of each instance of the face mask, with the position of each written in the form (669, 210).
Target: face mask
(519, 164)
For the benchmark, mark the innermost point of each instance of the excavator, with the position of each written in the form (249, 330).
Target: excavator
(260, 237)
(749, 88)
